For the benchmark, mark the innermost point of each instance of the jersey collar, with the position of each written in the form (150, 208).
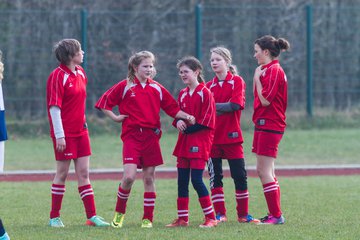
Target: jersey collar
(198, 87)
(270, 64)
(67, 70)
(228, 77)
(148, 81)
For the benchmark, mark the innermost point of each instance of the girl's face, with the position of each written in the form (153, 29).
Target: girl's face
(188, 76)
(145, 69)
(262, 56)
(218, 63)
(78, 58)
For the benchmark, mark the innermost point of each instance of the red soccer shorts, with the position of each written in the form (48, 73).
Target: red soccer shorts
(266, 143)
(142, 147)
(192, 163)
(76, 147)
(227, 151)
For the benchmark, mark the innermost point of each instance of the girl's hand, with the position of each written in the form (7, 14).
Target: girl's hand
(120, 118)
(191, 119)
(181, 125)
(258, 72)
(60, 144)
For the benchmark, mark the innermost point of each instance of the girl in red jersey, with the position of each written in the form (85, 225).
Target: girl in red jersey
(139, 99)
(66, 95)
(228, 89)
(194, 141)
(270, 101)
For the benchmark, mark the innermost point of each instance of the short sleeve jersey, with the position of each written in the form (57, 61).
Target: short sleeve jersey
(201, 105)
(141, 102)
(231, 89)
(67, 90)
(274, 82)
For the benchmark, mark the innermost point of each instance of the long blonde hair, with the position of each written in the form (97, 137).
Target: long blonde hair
(226, 54)
(1, 67)
(135, 60)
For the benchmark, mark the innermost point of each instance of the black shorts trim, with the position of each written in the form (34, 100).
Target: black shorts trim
(267, 130)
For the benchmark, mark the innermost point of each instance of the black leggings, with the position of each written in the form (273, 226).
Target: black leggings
(196, 180)
(237, 170)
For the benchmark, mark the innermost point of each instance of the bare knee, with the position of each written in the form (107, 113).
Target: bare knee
(148, 180)
(60, 177)
(128, 181)
(265, 175)
(261, 173)
(83, 175)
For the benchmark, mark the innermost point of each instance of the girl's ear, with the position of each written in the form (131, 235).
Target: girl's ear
(267, 52)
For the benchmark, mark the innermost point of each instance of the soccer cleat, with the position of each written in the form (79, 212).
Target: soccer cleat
(271, 220)
(56, 222)
(179, 222)
(248, 219)
(209, 223)
(5, 237)
(221, 218)
(117, 222)
(97, 221)
(146, 223)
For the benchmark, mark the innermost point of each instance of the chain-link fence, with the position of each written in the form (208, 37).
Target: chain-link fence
(110, 37)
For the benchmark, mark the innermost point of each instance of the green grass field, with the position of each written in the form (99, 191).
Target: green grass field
(314, 207)
(298, 147)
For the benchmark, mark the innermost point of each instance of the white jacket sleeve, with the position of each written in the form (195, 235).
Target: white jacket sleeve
(55, 114)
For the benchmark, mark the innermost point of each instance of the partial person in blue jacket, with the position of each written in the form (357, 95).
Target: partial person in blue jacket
(3, 133)
(3, 137)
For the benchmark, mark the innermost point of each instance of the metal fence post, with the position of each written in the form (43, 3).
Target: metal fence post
(198, 29)
(84, 15)
(309, 60)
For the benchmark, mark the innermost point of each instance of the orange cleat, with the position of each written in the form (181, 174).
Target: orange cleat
(209, 223)
(178, 223)
(248, 219)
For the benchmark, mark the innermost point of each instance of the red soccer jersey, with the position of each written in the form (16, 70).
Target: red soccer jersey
(67, 90)
(201, 105)
(232, 89)
(274, 83)
(142, 102)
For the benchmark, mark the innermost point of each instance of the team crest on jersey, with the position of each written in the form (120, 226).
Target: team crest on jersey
(132, 92)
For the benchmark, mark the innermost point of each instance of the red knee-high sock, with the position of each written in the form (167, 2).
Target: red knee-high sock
(87, 196)
(57, 194)
(271, 193)
(149, 205)
(218, 200)
(242, 202)
(207, 208)
(183, 208)
(277, 183)
(122, 197)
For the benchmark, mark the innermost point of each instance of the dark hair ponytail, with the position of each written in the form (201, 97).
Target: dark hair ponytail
(275, 46)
